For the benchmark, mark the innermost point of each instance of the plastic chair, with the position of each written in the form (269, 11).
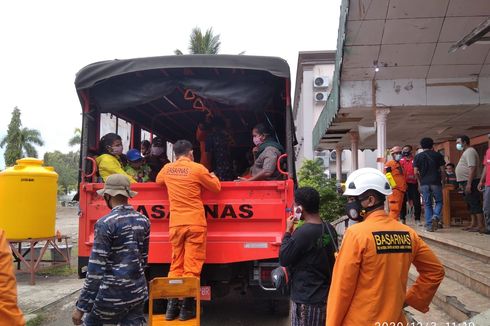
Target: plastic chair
(174, 287)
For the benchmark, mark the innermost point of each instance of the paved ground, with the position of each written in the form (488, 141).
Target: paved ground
(232, 310)
(57, 290)
(52, 284)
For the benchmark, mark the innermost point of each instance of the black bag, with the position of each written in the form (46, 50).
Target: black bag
(280, 279)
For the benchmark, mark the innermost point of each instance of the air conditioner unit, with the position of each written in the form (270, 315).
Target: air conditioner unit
(321, 96)
(333, 156)
(323, 160)
(320, 81)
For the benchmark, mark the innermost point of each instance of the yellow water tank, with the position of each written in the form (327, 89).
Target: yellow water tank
(28, 200)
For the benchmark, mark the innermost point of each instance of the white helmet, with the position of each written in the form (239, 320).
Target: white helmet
(365, 179)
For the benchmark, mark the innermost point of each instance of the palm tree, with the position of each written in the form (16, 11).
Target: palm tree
(202, 44)
(28, 138)
(76, 139)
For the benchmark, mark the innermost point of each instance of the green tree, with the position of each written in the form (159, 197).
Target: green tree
(331, 203)
(66, 165)
(19, 141)
(77, 137)
(202, 44)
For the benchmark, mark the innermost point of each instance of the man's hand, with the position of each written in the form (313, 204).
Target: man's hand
(467, 189)
(481, 186)
(290, 223)
(76, 317)
(242, 179)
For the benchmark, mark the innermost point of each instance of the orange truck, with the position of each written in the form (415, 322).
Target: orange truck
(169, 97)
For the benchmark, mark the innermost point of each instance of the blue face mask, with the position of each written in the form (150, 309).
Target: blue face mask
(459, 147)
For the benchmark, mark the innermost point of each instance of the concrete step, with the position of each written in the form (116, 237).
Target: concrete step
(472, 273)
(455, 299)
(435, 316)
(472, 245)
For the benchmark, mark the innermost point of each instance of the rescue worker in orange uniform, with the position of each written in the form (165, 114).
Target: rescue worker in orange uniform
(396, 199)
(369, 285)
(184, 180)
(10, 314)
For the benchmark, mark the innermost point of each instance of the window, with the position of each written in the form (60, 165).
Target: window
(110, 123)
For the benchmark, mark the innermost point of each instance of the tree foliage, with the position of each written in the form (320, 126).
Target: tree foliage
(66, 165)
(331, 203)
(202, 44)
(19, 141)
(77, 138)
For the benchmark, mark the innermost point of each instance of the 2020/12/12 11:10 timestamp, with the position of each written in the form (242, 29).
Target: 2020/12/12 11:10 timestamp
(464, 323)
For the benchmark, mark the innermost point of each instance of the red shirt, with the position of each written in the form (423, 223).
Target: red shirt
(408, 172)
(486, 163)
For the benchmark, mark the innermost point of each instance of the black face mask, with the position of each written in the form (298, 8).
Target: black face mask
(356, 212)
(406, 154)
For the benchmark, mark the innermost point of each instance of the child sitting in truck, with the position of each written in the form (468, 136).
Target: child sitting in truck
(136, 167)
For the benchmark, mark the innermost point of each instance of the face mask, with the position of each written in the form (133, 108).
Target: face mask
(298, 211)
(354, 210)
(398, 157)
(257, 140)
(406, 154)
(459, 147)
(156, 151)
(116, 150)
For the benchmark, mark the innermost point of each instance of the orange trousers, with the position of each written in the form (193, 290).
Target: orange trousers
(188, 250)
(395, 201)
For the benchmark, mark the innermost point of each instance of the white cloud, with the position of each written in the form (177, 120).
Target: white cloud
(44, 44)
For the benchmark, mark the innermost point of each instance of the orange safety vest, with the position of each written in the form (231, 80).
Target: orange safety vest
(370, 274)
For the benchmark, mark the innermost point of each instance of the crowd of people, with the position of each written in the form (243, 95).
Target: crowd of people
(425, 174)
(144, 164)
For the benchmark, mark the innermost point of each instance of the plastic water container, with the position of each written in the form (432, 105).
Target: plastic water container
(28, 200)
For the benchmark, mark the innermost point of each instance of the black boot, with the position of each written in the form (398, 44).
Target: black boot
(172, 309)
(188, 309)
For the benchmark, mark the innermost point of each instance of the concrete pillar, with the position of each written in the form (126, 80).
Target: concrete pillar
(338, 163)
(381, 117)
(354, 147)
(307, 111)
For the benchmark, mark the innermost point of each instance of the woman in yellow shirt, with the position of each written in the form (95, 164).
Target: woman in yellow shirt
(108, 162)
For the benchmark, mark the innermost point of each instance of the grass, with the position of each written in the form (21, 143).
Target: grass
(37, 321)
(64, 270)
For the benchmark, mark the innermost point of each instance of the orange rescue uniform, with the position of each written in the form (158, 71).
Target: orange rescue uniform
(187, 227)
(370, 274)
(395, 200)
(10, 314)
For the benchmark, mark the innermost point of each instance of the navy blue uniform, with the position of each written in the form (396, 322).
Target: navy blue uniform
(115, 288)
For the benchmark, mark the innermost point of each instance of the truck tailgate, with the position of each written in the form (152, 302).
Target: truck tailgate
(246, 220)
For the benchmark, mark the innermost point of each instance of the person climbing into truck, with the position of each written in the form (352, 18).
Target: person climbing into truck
(266, 152)
(109, 159)
(184, 180)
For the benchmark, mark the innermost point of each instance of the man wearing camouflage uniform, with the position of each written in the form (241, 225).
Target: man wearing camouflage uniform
(115, 288)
